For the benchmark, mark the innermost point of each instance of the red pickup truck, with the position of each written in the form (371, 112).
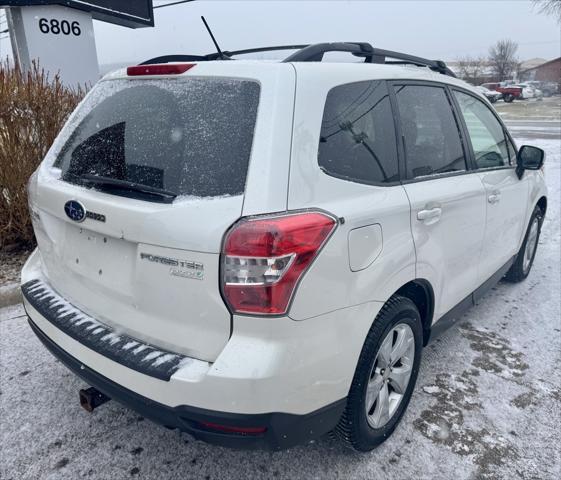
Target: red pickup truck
(509, 92)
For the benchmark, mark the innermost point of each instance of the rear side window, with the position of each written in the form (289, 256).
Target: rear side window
(357, 139)
(487, 136)
(186, 136)
(430, 132)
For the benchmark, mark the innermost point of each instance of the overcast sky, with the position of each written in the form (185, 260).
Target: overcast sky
(437, 29)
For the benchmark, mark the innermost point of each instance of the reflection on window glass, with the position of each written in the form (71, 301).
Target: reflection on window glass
(485, 132)
(432, 140)
(357, 139)
(188, 136)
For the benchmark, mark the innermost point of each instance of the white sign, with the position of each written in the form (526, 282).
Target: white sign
(60, 38)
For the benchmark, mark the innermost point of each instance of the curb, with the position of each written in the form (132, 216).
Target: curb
(10, 294)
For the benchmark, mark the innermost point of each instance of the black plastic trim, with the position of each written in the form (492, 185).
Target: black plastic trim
(264, 49)
(175, 58)
(453, 315)
(436, 65)
(315, 52)
(137, 355)
(466, 139)
(216, 56)
(283, 430)
(438, 176)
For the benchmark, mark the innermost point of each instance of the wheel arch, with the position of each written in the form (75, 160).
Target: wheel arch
(542, 203)
(421, 293)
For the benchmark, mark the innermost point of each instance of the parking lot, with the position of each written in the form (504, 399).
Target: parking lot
(487, 402)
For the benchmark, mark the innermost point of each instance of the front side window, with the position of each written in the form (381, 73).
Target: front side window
(357, 139)
(183, 136)
(430, 132)
(485, 132)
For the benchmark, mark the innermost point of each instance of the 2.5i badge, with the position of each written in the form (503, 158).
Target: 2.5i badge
(178, 268)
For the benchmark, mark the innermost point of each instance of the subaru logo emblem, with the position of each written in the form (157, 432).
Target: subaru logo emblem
(75, 211)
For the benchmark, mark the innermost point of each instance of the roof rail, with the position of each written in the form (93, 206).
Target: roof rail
(216, 56)
(175, 58)
(404, 58)
(315, 52)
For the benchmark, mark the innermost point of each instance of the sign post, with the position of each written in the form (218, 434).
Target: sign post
(59, 33)
(60, 39)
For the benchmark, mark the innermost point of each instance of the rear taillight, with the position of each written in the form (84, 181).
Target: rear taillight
(265, 257)
(159, 69)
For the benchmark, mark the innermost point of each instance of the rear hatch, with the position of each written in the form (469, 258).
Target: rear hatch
(134, 198)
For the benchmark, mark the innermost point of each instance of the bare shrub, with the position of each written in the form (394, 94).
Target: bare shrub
(471, 69)
(33, 108)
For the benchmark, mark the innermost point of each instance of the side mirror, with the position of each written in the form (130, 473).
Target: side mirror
(529, 158)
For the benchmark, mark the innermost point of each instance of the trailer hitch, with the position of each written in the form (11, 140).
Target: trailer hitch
(92, 398)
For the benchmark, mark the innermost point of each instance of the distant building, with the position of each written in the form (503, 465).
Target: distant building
(532, 69)
(532, 63)
(545, 72)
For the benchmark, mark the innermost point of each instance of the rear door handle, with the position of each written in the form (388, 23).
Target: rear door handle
(430, 215)
(494, 197)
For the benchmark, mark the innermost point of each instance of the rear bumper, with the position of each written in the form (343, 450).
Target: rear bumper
(123, 349)
(282, 430)
(291, 375)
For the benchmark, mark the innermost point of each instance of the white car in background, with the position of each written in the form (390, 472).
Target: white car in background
(491, 95)
(529, 91)
(548, 88)
(257, 252)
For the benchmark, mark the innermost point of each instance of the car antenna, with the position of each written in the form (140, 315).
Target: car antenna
(221, 55)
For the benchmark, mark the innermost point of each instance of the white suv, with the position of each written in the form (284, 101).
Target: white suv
(257, 252)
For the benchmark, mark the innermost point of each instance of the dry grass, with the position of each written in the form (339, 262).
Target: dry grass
(33, 109)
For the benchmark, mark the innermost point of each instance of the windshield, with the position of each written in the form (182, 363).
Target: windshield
(186, 136)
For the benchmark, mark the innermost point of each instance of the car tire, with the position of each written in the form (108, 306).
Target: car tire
(525, 257)
(362, 430)
(492, 99)
(508, 98)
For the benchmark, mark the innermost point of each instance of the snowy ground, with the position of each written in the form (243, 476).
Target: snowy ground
(545, 109)
(487, 402)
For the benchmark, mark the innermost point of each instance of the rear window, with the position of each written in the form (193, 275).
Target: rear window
(191, 137)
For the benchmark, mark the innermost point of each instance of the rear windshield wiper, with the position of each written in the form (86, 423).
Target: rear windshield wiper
(125, 185)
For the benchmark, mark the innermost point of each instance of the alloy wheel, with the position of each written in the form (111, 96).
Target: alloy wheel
(531, 245)
(390, 375)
